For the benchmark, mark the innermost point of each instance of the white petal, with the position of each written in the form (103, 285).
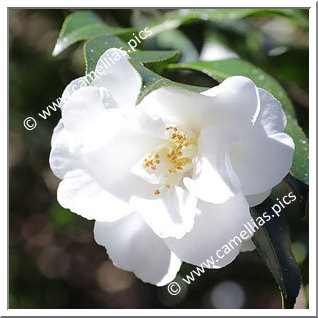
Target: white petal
(98, 184)
(119, 77)
(262, 161)
(271, 116)
(214, 228)
(232, 105)
(236, 104)
(214, 179)
(264, 157)
(132, 246)
(170, 214)
(83, 195)
(71, 88)
(257, 199)
(62, 158)
(105, 170)
(89, 116)
(147, 123)
(111, 164)
(180, 107)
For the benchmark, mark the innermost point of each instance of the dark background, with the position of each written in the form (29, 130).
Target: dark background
(54, 261)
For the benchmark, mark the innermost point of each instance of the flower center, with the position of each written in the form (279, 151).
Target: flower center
(173, 160)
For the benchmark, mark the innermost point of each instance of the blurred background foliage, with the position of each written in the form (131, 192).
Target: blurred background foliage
(53, 259)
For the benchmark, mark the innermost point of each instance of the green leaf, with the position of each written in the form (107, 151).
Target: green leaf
(220, 70)
(300, 166)
(83, 25)
(152, 81)
(156, 60)
(301, 190)
(176, 18)
(177, 40)
(273, 243)
(95, 47)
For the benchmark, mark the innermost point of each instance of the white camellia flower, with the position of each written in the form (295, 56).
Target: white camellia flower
(172, 179)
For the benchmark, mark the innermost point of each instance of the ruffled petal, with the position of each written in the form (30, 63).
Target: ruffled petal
(83, 195)
(262, 161)
(213, 230)
(264, 157)
(62, 157)
(98, 184)
(171, 214)
(111, 165)
(132, 246)
(105, 169)
(114, 72)
(71, 88)
(233, 105)
(185, 109)
(146, 123)
(214, 179)
(236, 102)
(271, 116)
(90, 120)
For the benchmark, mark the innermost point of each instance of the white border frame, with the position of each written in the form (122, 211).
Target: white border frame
(164, 312)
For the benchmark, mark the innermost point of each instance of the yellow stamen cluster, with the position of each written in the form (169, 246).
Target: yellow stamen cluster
(151, 161)
(173, 156)
(180, 141)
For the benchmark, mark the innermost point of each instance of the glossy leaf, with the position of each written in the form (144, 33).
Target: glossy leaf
(273, 243)
(300, 166)
(95, 47)
(177, 40)
(83, 25)
(152, 81)
(155, 60)
(176, 18)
